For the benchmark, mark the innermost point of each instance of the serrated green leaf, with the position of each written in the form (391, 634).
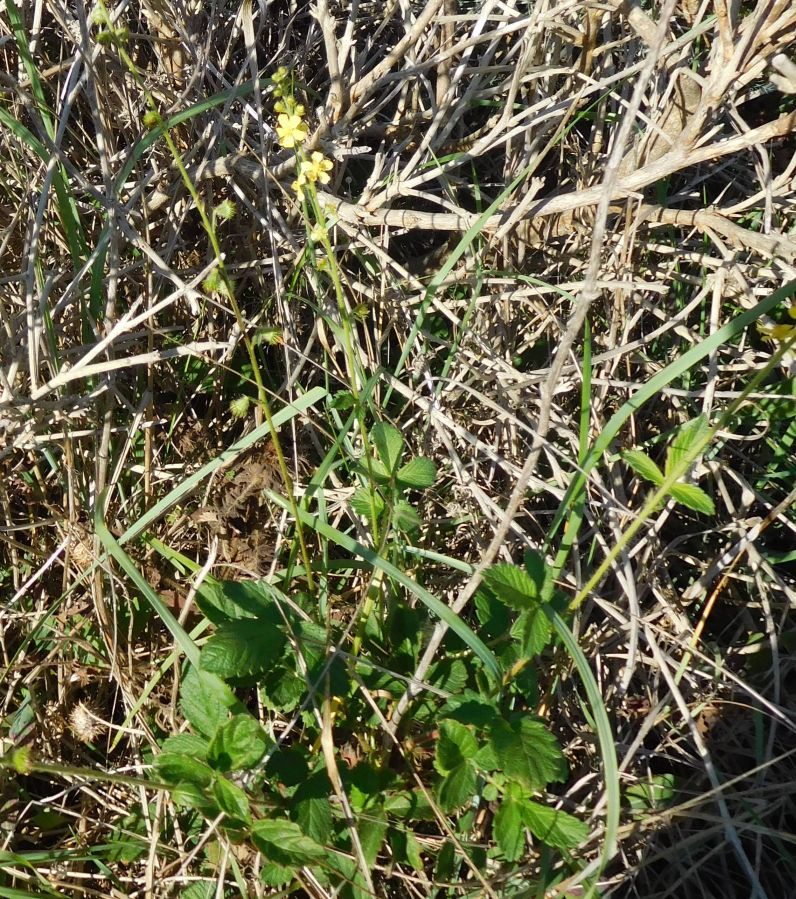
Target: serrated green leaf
(512, 586)
(552, 826)
(643, 466)
(693, 497)
(283, 689)
(198, 891)
(413, 855)
(342, 400)
(187, 744)
(371, 835)
(449, 675)
(470, 707)
(527, 752)
(361, 503)
(378, 469)
(457, 787)
(310, 808)
(417, 474)
(175, 768)
(532, 630)
(312, 641)
(238, 743)
(282, 841)
(456, 744)
(242, 648)
(231, 800)
(205, 700)
(540, 573)
(389, 443)
(509, 830)
(222, 600)
(486, 759)
(412, 804)
(685, 441)
(405, 518)
(274, 875)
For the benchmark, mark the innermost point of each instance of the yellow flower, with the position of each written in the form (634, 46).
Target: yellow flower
(290, 130)
(317, 168)
(298, 186)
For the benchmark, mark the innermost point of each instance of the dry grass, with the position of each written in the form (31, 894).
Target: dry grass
(653, 166)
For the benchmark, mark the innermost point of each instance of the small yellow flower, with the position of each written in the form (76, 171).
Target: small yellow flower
(290, 130)
(317, 168)
(318, 232)
(298, 186)
(279, 75)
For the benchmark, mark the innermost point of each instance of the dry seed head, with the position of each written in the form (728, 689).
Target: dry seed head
(85, 723)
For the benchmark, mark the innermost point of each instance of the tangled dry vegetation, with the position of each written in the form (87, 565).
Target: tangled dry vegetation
(526, 198)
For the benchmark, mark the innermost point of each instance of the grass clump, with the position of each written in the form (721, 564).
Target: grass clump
(398, 448)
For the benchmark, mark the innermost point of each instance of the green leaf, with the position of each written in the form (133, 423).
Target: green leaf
(509, 830)
(241, 648)
(449, 675)
(532, 630)
(231, 800)
(221, 600)
(238, 743)
(389, 443)
(528, 752)
(457, 788)
(177, 768)
(371, 835)
(198, 891)
(552, 826)
(310, 808)
(377, 469)
(693, 497)
(205, 700)
(540, 573)
(274, 875)
(643, 466)
(486, 759)
(282, 841)
(188, 795)
(470, 707)
(405, 518)
(652, 793)
(413, 855)
(456, 744)
(361, 503)
(686, 441)
(512, 586)
(187, 744)
(417, 474)
(342, 400)
(283, 689)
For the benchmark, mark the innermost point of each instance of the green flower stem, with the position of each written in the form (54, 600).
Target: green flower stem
(348, 348)
(229, 291)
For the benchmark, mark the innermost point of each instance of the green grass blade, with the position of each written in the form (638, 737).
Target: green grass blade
(126, 564)
(605, 737)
